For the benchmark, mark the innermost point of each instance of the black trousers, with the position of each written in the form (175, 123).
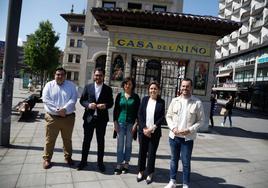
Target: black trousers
(147, 145)
(211, 119)
(100, 126)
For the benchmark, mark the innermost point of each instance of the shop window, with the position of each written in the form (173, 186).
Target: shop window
(72, 42)
(117, 68)
(153, 71)
(70, 58)
(76, 76)
(101, 62)
(259, 73)
(159, 8)
(79, 43)
(69, 75)
(134, 6)
(239, 75)
(77, 58)
(249, 74)
(108, 4)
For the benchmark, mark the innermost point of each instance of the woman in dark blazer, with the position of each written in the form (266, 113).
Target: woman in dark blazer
(151, 116)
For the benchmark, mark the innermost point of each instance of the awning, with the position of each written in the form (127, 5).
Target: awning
(224, 74)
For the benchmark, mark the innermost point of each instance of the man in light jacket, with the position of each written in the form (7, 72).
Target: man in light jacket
(184, 116)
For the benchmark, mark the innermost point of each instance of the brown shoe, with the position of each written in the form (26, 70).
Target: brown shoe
(47, 164)
(69, 161)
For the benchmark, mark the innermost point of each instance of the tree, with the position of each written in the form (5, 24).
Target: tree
(40, 52)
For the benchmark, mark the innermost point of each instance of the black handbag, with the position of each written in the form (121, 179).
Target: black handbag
(114, 134)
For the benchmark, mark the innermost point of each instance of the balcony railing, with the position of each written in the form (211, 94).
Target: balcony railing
(257, 23)
(257, 6)
(265, 38)
(243, 31)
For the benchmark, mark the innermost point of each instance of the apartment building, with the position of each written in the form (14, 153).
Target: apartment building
(242, 56)
(74, 44)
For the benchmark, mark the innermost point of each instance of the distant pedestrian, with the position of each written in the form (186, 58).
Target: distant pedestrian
(213, 103)
(229, 107)
(59, 98)
(151, 117)
(125, 123)
(30, 84)
(97, 98)
(184, 116)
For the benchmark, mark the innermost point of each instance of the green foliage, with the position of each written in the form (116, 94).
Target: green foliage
(40, 52)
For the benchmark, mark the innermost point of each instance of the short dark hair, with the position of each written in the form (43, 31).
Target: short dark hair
(155, 83)
(188, 80)
(126, 80)
(60, 69)
(100, 69)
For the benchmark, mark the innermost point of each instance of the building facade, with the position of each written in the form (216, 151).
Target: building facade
(95, 55)
(242, 56)
(151, 40)
(74, 45)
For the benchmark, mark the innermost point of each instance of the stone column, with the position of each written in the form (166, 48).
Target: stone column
(128, 65)
(108, 63)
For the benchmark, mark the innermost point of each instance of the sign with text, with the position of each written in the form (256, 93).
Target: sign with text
(176, 47)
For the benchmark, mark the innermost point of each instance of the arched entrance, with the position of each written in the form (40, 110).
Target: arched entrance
(101, 62)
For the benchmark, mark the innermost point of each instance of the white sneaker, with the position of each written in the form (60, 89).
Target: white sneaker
(185, 186)
(222, 124)
(171, 184)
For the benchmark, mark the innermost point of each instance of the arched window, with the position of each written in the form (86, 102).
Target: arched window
(101, 61)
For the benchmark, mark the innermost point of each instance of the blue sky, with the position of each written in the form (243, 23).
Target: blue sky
(35, 11)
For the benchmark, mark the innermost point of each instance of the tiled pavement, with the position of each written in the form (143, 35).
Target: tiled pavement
(223, 158)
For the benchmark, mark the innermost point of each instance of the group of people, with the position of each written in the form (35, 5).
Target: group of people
(131, 116)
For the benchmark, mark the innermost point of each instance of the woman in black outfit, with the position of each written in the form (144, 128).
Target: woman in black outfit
(151, 116)
(229, 106)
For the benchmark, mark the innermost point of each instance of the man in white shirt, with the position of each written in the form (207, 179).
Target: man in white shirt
(59, 98)
(184, 116)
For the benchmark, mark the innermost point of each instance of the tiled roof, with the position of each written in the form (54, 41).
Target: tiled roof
(207, 25)
(69, 16)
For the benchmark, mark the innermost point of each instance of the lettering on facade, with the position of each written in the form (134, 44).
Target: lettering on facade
(176, 47)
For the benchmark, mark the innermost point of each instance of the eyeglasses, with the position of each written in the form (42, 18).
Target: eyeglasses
(98, 75)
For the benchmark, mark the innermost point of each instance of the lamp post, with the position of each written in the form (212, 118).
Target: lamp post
(11, 57)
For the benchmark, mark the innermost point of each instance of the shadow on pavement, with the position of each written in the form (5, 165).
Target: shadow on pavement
(238, 132)
(243, 113)
(135, 155)
(32, 116)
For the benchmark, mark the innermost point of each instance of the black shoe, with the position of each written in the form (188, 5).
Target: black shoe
(101, 167)
(149, 179)
(117, 171)
(125, 170)
(140, 179)
(81, 165)
(149, 182)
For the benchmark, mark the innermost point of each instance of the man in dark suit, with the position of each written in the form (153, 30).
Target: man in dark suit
(97, 98)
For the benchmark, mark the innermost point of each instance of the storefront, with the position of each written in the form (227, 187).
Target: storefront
(162, 46)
